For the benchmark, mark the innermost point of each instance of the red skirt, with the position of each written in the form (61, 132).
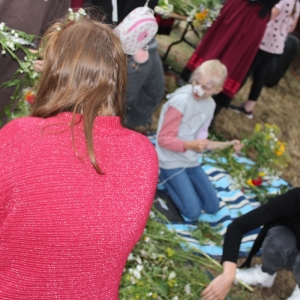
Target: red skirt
(77, 3)
(234, 39)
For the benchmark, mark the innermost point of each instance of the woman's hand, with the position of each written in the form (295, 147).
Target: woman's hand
(221, 285)
(196, 145)
(217, 289)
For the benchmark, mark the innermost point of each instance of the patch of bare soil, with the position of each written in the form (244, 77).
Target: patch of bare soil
(279, 105)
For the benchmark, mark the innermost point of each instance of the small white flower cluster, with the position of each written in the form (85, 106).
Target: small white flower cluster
(27, 67)
(213, 14)
(187, 289)
(191, 15)
(135, 272)
(14, 38)
(274, 139)
(172, 275)
(164, 11)
(75, 16)
(10, 39)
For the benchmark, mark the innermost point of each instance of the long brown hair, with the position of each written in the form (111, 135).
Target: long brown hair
(84, 72)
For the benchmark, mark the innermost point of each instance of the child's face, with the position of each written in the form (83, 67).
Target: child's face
(204, 87)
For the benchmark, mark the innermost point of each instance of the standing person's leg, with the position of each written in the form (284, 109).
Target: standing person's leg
(222, 100)
(182, 192)
(256, 62)
(259, 75)
(258, 69)
(205, 190)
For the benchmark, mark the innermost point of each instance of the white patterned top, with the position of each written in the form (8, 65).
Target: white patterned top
(278, 29)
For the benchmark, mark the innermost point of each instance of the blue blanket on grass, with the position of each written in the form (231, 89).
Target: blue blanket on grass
(233, 203)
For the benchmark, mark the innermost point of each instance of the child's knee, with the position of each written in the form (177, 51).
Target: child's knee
(213, 208)
(192, 214)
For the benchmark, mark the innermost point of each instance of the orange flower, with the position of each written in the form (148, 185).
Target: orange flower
(200, 16)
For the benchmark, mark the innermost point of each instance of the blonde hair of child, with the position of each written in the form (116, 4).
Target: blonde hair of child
(213, 68)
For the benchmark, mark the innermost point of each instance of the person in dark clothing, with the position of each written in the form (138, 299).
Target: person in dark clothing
(124, 7)
(280, 241)
(145, 81)
(32, 19)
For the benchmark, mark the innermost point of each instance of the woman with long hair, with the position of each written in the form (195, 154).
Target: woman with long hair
(75, 186)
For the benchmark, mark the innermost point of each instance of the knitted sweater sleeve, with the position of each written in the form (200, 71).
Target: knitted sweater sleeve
(6, 136)
(167, 137)
(285, 206)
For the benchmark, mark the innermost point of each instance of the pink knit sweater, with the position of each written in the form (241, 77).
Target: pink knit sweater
(65, 230)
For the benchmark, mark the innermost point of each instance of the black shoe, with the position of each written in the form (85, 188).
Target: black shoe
(241, 109)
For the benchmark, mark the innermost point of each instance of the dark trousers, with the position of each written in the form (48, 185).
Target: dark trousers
(279, 251)
(259, 70)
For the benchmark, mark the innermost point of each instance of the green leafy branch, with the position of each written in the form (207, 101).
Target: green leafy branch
(25, 76)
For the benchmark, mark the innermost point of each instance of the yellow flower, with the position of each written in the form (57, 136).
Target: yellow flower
(249, 181)
(268, 137)
(139, 283)
(280, 148)
(171, 283)
(257, 127)
(154, 295)
(170, 252)
(261, 174)
(127, 277)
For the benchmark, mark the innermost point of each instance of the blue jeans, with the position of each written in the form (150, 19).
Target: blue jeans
(191, 191)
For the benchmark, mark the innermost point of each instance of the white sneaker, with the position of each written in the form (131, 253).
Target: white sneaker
(296, 294)
(255, 276)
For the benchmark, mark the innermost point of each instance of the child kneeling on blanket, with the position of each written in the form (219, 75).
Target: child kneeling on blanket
(182, 134)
